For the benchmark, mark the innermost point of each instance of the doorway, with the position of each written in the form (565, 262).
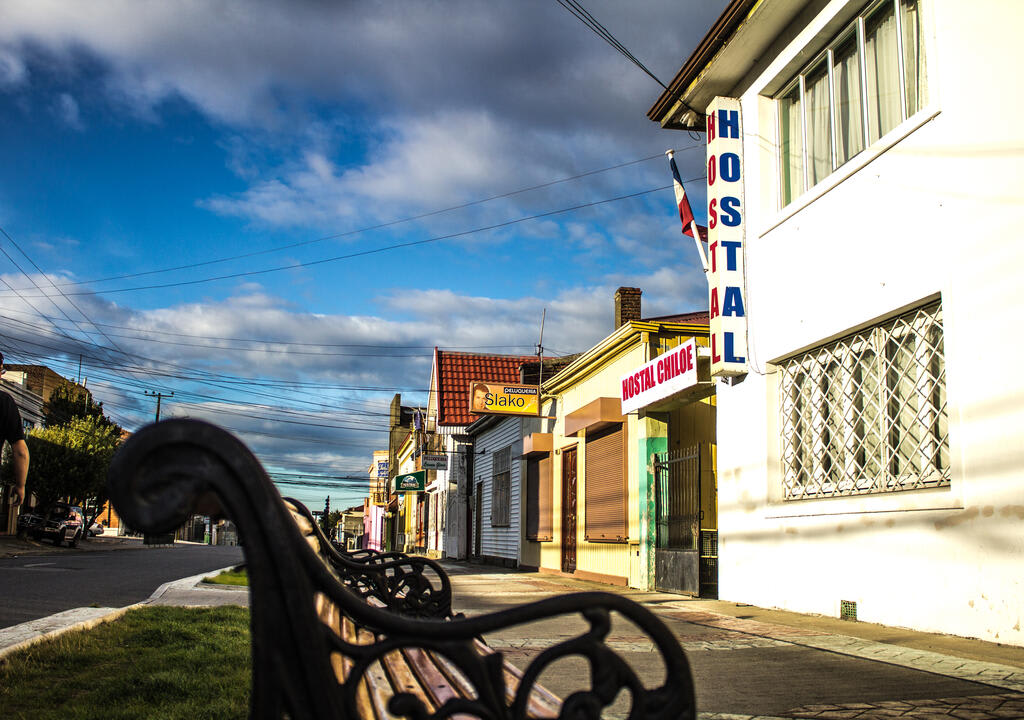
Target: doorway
(679, 565)
(478, 521)
(569, 510)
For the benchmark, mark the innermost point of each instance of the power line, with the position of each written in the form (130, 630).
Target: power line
(374, 251)
(372, 227)
(581, 14)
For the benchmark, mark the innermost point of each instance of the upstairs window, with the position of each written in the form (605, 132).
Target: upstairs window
(865, 83)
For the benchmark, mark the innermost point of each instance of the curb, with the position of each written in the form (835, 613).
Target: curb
(19, 637)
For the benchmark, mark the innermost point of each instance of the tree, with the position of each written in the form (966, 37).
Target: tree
(68, 402)
(71, 461)
(329, 523)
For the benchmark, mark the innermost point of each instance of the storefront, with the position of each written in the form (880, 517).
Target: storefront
(598, 510)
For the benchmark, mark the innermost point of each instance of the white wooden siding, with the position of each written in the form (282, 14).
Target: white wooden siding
(502, 542)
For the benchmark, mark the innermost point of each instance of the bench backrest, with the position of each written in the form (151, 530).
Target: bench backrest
(413, 586)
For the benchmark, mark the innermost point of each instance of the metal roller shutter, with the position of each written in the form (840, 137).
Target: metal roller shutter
(538, 499)
(606, 489)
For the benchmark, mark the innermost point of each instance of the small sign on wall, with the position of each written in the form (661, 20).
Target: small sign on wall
(489, 398)
(411, 482)
(434, 461)
(726, 230)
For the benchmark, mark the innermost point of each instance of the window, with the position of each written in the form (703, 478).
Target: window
(867, 414)
(870, 79)
(501, 467)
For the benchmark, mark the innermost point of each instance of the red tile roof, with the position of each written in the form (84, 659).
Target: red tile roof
(700, 317)
(455, 371)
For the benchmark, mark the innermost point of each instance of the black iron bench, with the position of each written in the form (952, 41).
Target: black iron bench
(409, 585)
(320, 650)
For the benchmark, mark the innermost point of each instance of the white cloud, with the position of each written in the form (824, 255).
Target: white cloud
(67, 110)
(12, 69)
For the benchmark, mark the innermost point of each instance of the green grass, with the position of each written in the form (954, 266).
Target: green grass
(229, 577)
(156, 662)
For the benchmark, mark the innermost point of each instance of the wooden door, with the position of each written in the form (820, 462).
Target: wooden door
(569, 510)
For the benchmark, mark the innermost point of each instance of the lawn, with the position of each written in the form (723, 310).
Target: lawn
(229, 577)
(154, 662)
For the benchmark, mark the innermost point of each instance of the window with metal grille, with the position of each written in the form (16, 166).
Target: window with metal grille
(866, 82)
(867, 413)
(501, 470)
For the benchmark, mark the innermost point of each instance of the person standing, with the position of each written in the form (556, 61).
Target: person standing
(12, 431)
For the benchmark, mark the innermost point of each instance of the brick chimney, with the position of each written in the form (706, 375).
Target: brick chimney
(627, 305)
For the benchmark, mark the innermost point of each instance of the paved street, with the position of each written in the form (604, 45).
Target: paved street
(39, 583)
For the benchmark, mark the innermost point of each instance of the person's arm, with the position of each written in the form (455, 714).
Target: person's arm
(19, 462)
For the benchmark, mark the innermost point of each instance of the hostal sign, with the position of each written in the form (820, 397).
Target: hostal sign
(726, 220)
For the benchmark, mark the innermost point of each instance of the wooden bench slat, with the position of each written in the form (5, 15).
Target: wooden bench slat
(434, 681)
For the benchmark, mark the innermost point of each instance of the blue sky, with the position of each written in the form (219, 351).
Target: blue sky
(261, 142)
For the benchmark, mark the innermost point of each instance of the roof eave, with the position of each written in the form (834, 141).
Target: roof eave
(667, 108)
(628, 334)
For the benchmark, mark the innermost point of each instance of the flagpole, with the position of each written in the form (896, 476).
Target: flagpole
(693, 224)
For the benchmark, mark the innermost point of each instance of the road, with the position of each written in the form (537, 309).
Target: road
(33, 587)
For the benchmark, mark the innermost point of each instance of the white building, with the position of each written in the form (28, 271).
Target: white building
(867, 455)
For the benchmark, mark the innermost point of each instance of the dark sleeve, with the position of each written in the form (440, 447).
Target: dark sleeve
(10, 419)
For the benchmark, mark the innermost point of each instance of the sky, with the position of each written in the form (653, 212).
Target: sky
(276, 210)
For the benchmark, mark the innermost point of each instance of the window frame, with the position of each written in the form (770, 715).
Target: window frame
(870, 417)
(856, 27)
(501, 480)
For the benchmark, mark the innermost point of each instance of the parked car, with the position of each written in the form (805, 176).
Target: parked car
(96, 529)
(59, 522)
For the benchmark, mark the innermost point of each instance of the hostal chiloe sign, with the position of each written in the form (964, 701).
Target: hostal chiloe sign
(665, 375)
(726, 221)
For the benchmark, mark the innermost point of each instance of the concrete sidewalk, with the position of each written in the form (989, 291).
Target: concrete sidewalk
(748, 663)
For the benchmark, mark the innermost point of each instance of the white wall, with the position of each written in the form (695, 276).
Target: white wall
(940, 211)
(501, 542)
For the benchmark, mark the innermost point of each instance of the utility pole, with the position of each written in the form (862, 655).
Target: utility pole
(159, 396)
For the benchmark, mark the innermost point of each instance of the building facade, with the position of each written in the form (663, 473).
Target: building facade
(873, 183)
(597, 517)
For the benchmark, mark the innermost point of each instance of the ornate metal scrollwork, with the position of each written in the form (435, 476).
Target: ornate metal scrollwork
(167, 471)
(413, 586)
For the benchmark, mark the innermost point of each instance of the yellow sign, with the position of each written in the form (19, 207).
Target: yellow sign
(488, 398)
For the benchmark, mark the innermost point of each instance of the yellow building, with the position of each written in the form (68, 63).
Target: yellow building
(627, 497)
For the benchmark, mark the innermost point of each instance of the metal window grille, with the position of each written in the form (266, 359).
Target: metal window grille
(867, 413)
(501, 466)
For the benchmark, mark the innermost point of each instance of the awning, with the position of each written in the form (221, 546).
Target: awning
(537, 444)
(600, 413)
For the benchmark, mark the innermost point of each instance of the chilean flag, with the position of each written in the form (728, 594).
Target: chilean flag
(699, 233)
(685, 213)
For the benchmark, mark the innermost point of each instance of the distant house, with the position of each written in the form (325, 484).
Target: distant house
(454, 510)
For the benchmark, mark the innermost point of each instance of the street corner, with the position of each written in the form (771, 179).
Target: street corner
(11, 546)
